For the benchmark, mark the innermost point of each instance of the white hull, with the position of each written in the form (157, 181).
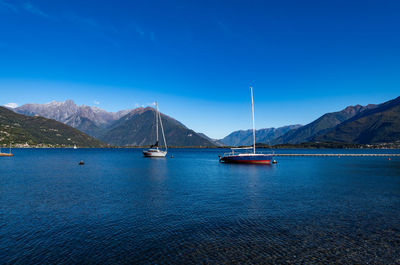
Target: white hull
(158, 153)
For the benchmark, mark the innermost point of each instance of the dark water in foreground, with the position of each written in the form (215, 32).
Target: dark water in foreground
(122, 208)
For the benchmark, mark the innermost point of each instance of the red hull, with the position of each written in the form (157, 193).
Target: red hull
(249, 161)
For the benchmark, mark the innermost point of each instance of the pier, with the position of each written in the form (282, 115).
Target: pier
(384, 155)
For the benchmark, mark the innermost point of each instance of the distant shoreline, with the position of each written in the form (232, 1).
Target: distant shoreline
(209, 147)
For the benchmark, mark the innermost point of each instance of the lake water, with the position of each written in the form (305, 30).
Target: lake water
(122, 208)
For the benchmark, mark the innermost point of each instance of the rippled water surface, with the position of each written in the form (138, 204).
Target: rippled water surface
(122, 208)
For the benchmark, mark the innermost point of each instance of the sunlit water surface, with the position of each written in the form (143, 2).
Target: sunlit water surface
(122, 208)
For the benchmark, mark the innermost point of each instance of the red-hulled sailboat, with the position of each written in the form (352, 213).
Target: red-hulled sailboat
(235, 156)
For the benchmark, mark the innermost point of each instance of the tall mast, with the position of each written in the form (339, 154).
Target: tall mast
(162, 131)
(254, 129)
(157, 123)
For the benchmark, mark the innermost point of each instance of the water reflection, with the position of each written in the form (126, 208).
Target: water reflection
(123, 208)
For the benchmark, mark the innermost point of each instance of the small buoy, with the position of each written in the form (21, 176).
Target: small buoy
(389, 158)
(81, 163)
(274, 162)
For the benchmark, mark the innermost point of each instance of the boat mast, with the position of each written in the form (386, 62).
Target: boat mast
(254, 130)
(10, 148)
(157, 123)
(162, 130)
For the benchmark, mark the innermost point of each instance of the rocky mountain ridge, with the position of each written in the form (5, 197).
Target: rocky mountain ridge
(320, 125)
(20, 129)
(88, 119)
(380, 124)
(132, 127)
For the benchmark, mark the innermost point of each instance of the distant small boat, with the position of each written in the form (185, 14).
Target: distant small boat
(6, 154)
(75, 146)
(247, 157)
(154, 150)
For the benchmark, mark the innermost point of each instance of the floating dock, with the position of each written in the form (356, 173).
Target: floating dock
(384, 155)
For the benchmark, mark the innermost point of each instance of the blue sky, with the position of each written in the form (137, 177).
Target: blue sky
(198, 58)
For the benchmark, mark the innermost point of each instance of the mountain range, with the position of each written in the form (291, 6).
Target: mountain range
(368, 124)
(245, 137)
(320, 125)
(21, 129)
(380, 124)
(90, 120)
(132, 127)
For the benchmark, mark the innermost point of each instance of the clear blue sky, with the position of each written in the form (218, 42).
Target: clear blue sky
(198, 58)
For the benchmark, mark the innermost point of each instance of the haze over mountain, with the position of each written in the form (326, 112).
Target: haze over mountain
(214, 141)
(380, 124)
(320, 125)
(91, 120)
(245, 137)
(137, 128)
(21, 129)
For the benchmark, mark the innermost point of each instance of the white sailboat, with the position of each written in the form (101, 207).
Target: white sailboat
(154, 150)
